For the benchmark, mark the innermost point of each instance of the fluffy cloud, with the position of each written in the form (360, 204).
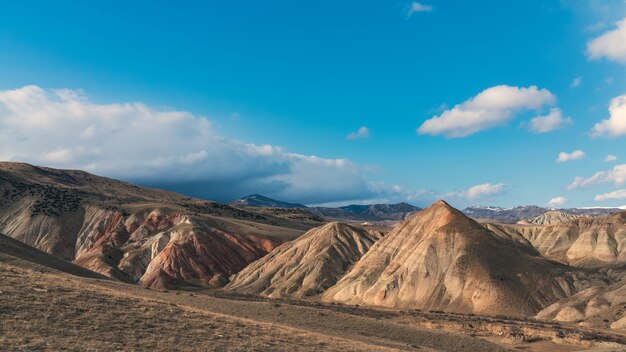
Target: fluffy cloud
(619, 194)
(576, 82)
(478, 191)
(418, 7)
(615, 125)
(362, 132)
(617, 176)
(610, 45)
(492, 107)
(553, 121)
(164, 148)
(575, 155)
(557, 201)
(610, 158)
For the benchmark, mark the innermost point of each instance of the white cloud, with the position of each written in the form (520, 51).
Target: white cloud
(610, 158)
(619, 194)
(575, 155)
(557, 201)
(547, 123)
(576, 82)
(478, 191)
(165, 148)
(615, 125)
(362, 132)
(617, 176)
(610, 45)
(492, 107)
(418, 7)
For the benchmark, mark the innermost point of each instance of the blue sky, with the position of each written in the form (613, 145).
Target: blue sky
(278, 83)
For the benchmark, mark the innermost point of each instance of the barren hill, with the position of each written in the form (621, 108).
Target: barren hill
(549, 218)
(132, 233)
(441, 259)
(308, 265)
(590, 242)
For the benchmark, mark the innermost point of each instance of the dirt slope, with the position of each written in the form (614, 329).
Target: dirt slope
(441, 259)
(308, 265)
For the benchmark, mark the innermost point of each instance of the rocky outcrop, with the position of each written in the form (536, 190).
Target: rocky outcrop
(308, 265)
(441, 259)
(202, 256)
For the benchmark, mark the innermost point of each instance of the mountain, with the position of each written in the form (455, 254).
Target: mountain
(441, 259)
(506, 215)
(135, 234)
(587, 242)
(520, 213)
(372, 212)
(308, 265)
(257, 200)
(550, 217)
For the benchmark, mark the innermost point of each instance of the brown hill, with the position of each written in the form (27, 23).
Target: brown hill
(441, 259)
(308, 265)
(589, 242)
(119, 229)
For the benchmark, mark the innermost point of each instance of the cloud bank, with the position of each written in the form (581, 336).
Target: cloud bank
(556, 201)
(619, 194)
(478, 191)
(165, 148)
(617, 176)
(492, 107)
(362, 132)
(615, 125)
(575, 155)
(550, 122)
(610, 45)
(418, 7)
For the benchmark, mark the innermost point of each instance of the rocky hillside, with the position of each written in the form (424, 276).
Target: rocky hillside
(588, 242)
(549, 218)
(131, 233)
(441, 259)
(308, 265)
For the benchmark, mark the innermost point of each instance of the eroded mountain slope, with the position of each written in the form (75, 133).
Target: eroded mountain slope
(122, 230)
(308, 265)
(441, 259)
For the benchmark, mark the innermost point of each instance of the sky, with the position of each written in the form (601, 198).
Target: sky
(325, 102)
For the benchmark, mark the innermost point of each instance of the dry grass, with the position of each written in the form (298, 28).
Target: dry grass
(50, 312)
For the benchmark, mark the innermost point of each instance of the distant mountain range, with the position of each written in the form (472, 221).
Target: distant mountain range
(515, 214)
(355, 212)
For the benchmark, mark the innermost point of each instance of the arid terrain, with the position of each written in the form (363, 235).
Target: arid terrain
(90, 263)
(45, 309)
